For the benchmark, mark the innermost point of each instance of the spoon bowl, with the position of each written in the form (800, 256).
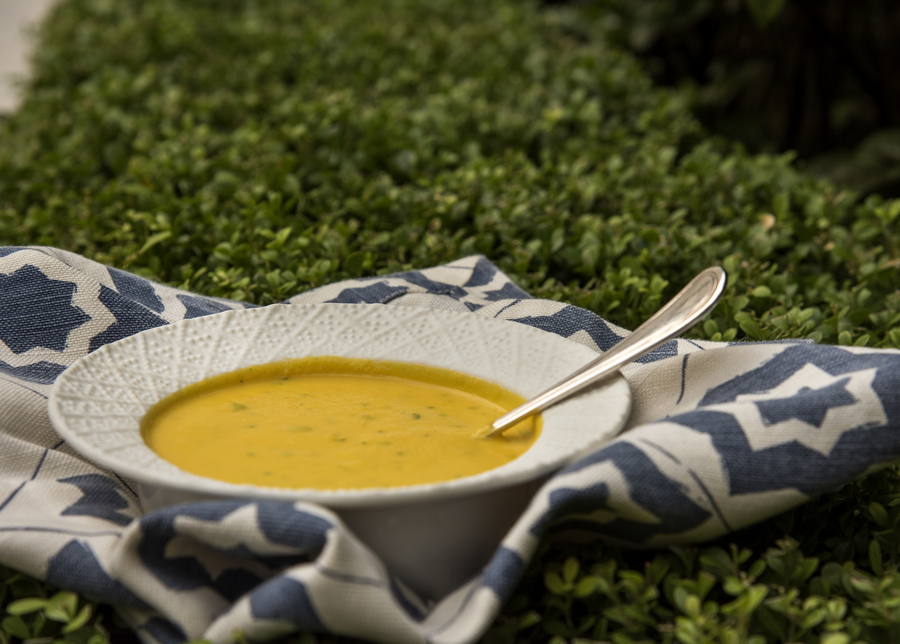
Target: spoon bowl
(679, 314)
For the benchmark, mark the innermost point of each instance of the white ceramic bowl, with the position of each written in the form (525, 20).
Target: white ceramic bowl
(432, 536)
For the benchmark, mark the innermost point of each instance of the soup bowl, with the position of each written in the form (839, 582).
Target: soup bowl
(432, 536)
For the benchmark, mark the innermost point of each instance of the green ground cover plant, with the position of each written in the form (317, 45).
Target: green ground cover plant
(254, 149)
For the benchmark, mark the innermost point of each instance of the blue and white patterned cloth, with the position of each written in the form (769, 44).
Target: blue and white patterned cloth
(721, 436)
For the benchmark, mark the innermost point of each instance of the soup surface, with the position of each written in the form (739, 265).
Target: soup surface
(336, 423)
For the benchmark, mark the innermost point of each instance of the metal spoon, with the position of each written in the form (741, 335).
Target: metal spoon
(691, 304)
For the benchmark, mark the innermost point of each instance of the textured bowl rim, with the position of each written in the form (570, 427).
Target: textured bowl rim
(613, 397)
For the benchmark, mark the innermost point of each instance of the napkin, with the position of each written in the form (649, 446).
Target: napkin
(720, 436)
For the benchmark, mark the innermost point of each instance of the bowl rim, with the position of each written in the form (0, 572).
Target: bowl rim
(614, 393)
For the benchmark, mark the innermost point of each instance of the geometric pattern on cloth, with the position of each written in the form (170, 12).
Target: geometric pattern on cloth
(720, 436)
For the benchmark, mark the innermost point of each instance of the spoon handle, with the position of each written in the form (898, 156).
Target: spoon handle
(691, 304)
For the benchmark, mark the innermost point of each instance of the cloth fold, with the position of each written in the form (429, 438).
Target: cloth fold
(721, 436)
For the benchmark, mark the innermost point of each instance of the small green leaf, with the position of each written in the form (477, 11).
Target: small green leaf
(153, 240)
(757, 568)
(101, 638)
(835, 638)
(692, 606)
(274, 280)
(15, 625)
(764, 11)
(26, 605)
(353, 263)
(79, 620)
(748, 325)
(570, 570)
(61, 607)
(755, 595)
(555, 583)
(529, 619)
(805, 569)
(679, 598)
(875, 559)
(585, 587)
(879, 514)
(813, 618)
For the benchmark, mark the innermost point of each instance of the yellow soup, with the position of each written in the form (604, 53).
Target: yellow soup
(336, 423)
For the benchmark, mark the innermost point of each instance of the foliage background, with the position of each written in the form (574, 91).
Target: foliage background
(812, 76)
(254, 149)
